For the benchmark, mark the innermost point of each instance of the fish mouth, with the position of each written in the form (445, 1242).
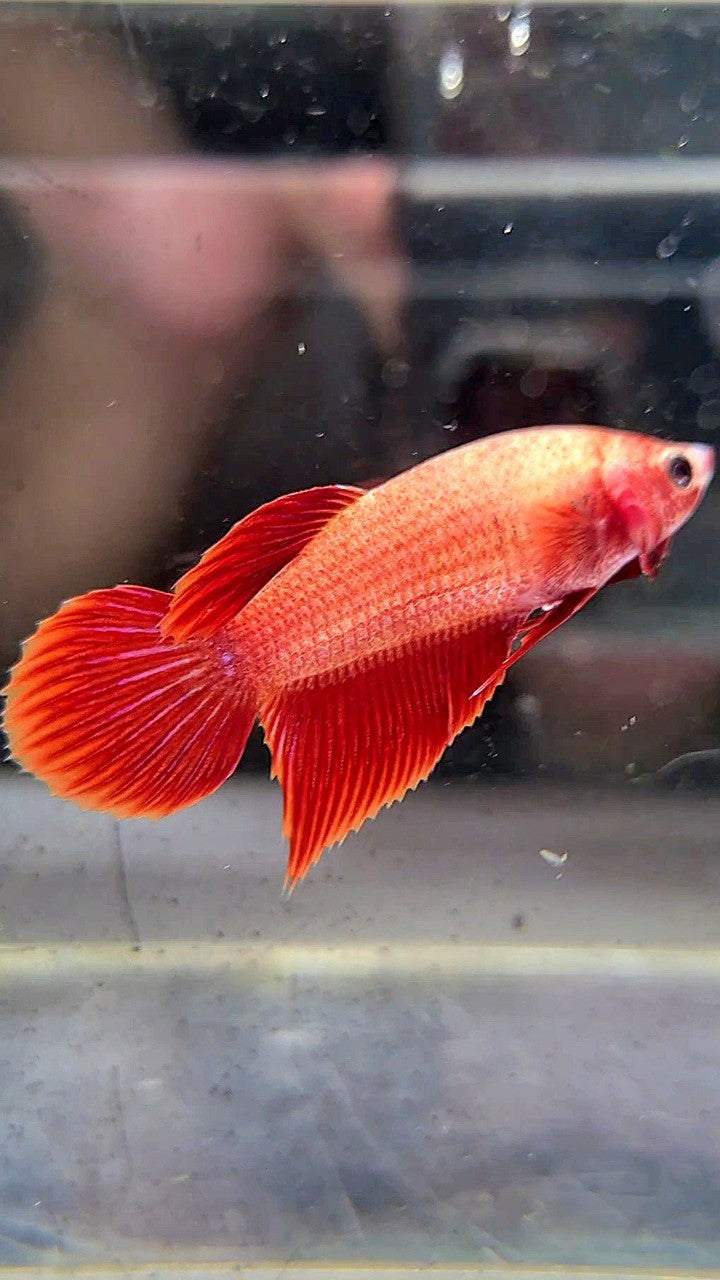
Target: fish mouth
(702, 457)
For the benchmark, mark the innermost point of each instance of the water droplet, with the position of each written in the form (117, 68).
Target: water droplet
(451, 73)
(507, 228)
(450, 426)
(668, 246)
(264, 90)
(682, 142)
(301, 348)
(315, 110)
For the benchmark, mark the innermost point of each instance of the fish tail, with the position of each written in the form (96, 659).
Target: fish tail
(114, 715)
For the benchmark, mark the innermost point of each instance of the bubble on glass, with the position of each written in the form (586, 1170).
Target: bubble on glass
(668, 245)
(704, 379)
(146, 94)
(358, 120)
(519, 33)
(395, 373)
(253, 112)
(576, 56)
(223, 37)
(689, 102)
(707, 417)
(533, 383)
(451, 73)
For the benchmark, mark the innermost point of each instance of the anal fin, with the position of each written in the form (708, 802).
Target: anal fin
(345, 749)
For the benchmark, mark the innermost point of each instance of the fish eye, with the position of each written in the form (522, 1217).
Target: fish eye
(680, 471)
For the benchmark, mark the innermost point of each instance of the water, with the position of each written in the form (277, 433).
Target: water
(484, 1032)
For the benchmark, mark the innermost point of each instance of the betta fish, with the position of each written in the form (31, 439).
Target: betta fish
(364, 629)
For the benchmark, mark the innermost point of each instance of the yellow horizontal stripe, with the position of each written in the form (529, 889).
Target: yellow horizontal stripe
(343, 1270)
(401, 961)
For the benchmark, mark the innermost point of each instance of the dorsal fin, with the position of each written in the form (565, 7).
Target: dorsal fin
(232, 571)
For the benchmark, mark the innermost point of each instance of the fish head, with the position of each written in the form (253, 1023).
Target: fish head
(653, 487)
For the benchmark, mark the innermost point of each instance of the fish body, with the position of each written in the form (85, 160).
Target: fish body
(364, 630)
(500, 526)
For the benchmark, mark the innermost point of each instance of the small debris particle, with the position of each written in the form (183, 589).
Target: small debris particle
(518, 920)
(554, 859)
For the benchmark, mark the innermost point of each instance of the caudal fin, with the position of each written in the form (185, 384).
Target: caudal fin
(114, 716)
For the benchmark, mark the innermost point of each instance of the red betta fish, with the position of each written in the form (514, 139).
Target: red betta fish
(364, 629)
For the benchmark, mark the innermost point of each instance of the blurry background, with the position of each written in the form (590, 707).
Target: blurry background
(247, 250)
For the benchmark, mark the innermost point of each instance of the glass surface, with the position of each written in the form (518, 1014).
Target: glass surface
(248, 250)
